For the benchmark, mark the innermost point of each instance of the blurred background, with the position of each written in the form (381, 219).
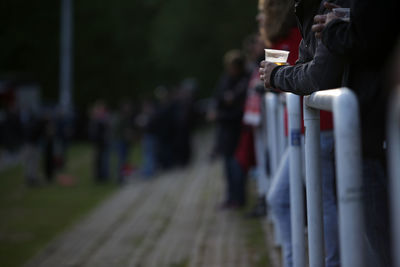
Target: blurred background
(122, 48)
(79, 81)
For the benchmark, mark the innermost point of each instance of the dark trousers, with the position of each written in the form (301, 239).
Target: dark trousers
(376, 212)
(235, 182)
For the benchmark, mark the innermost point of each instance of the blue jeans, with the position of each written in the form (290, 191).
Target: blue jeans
(122, 149)
(329, 200)
(149, 146)
(279, 201)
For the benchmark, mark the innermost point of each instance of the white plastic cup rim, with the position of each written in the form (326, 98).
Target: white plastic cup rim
(273, 54)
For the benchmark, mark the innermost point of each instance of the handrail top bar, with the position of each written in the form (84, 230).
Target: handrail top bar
(323, 100)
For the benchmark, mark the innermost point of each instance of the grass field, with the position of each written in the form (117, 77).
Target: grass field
(31, 217)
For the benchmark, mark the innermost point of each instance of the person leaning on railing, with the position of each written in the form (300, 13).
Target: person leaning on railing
(316, 69)
(366, 43)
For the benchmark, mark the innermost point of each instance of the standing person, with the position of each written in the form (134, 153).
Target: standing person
(99, 130)
(230, 97)
(184, 118)
(366, 46)
(123, 130)
(49, 139)
(316, 69)
(146, 121)
(33, 132)
(252, 125)
(165, 127)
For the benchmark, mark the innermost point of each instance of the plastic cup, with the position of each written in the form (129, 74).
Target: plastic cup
(278, 57)
(342, 12)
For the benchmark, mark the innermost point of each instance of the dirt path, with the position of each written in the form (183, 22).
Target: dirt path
(168, 221)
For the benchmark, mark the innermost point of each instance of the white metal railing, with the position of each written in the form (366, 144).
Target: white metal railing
(275, 141)
(343, 103)
(393, 131)
(296, 181)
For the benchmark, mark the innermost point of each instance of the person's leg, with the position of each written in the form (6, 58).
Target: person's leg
(104, 161)
(239, 177)
(279, 202)
(229, 180)
(149, 154)
(122, 151)
(329, 201)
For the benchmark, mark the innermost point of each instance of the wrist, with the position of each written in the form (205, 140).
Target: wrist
(272, 77)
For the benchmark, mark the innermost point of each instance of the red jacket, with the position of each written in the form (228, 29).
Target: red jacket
(291, 43)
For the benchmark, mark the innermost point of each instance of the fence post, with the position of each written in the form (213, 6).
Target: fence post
(349, 183)
(273, 146)
(314, 187)
(271, 100)
(281, 125)
(296, 181)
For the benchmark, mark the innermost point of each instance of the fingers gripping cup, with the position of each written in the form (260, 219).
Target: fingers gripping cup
(279, 57)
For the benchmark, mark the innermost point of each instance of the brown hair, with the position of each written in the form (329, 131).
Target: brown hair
(279, 18)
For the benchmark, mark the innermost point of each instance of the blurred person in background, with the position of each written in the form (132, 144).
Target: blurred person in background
(366, 46)
(230, 96)
(99, 131)
(252, 122)
(32, 129)
(184, 122)
(12, 129)
(146, 121)
(123, 134)
(63, 124)
(49, 140)
(165, 127)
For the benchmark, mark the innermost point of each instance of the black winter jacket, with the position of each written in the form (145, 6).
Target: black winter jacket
(366, 45)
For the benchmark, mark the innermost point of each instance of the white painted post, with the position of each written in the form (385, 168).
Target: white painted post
(344, 105)
(272, 100)
(296, 181)
(282, 142)
(314, 187)
(348, 162)
(393, 130)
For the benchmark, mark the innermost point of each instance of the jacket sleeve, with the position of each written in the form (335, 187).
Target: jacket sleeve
(323, 72)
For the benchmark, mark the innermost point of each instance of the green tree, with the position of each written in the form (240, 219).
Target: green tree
(124, 48)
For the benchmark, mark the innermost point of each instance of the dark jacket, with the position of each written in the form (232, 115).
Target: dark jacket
(366, 44)
(229, 115)
(317, 68)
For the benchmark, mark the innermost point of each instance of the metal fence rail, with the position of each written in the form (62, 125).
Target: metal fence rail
(344, 105)
(296, 181)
